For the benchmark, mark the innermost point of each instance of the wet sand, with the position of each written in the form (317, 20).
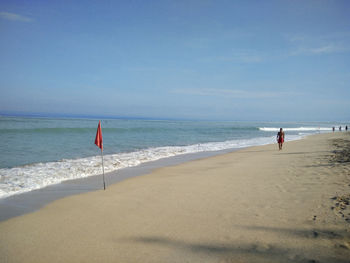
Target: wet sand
(20, 204)
(253, 205)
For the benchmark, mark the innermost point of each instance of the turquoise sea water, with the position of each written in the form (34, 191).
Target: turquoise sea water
(35, 152)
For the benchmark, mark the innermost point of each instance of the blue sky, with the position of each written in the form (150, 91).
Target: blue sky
(193, 59)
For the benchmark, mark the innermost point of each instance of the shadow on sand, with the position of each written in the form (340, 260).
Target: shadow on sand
(264, 252)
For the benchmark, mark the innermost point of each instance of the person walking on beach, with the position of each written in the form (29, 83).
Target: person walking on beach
(280, 138)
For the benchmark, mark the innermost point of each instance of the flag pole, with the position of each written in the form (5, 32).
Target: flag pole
(103, 169)
(99, 144)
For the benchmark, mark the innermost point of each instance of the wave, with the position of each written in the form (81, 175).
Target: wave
(30, 177)
(273, 129)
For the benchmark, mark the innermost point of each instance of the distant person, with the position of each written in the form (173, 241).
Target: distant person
(333, 128)
(280, 138)
(346, 128)
(339, 128)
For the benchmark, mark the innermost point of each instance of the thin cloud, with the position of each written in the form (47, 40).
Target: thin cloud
(14, 17)
(239, 94)
(313, 39)
(238, 57)
(329, 49)
(242, 58)
(319, 45)
(326, 49)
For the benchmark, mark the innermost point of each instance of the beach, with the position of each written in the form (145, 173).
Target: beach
(39, 152)
(256, 204)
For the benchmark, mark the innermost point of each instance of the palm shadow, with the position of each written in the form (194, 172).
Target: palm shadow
(270, 253)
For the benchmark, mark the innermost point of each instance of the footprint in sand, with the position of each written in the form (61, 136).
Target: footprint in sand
(342, 206)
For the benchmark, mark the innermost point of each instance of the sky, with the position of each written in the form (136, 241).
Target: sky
(182, 59)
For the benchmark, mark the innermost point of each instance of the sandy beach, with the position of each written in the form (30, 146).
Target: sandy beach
(257, 204)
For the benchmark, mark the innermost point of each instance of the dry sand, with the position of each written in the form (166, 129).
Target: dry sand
(254, 205)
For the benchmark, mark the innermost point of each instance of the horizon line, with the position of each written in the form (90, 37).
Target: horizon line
(116, 117)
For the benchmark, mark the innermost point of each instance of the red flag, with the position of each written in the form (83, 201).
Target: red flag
(98, 139)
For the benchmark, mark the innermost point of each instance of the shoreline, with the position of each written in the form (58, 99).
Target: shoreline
(184, 157)
(28, 167)
(27, 202)
(84, 167)
(257, 204)
(30, 201)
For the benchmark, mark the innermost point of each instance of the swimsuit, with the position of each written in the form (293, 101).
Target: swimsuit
(280, 138)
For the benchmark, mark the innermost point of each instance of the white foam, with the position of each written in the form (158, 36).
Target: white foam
(30, 177)
(273, 129)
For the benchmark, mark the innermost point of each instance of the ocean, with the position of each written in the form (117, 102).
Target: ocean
(37, 152)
